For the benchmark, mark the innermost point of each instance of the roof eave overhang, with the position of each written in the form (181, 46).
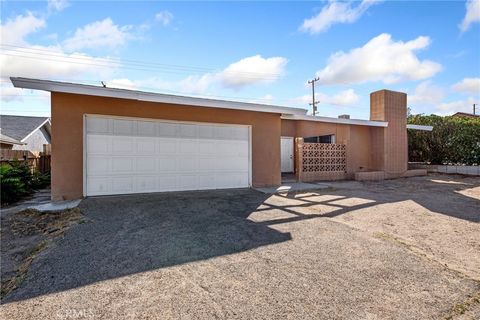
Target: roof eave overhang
(74, 88)
(358, 122)
(419, 127)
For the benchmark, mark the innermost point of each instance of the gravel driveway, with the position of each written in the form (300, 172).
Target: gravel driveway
(399, 249)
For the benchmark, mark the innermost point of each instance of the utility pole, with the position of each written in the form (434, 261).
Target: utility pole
(314, 103)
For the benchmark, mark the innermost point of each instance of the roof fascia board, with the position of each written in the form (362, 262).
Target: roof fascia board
(358, 122)
(419, 127)
(74, 88)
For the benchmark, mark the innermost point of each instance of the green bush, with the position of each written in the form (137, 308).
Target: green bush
(453, 140)
(12, 186)
(17, 181)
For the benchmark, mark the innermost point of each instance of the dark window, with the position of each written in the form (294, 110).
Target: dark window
(319, 139)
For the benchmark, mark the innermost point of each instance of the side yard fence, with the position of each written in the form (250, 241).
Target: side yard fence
(321, 161)
(37, 161)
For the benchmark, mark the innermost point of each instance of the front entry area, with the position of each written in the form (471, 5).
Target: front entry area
(131, 155)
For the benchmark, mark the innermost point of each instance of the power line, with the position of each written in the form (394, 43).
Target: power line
(128, 64)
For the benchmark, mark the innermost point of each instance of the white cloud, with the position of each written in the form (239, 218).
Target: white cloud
(99, 34)
(57, 5)
(335, 12)
(245, 72)
(48, 62)
(164, 17)
(380, 59)
(449, 108)
(345, 98)
(252, 70)
(426, 94)
(14, 31)
(468, 85)
(471, 16)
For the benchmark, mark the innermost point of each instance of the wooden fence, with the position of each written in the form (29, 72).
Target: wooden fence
(38, 161)
(321, 161)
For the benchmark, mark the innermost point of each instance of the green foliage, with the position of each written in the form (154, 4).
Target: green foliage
(17, 181)
(454, 140)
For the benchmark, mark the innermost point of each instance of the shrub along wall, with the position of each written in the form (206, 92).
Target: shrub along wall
(454, 140)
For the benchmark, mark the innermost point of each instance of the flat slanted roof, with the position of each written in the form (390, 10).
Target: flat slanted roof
(287, 113)
(76, 88)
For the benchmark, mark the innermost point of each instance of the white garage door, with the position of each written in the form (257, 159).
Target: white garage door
(133, 156)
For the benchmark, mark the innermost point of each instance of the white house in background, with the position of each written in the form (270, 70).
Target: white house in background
(25, 133)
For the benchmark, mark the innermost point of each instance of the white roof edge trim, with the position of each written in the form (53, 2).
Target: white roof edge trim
(33, 131)
(76, 88)
(359, 122)
(419, 127)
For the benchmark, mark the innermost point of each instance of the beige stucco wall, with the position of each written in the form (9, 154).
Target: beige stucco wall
(357, 138)
(67, 135)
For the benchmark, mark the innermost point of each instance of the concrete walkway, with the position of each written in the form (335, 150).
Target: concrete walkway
(293, 187)
(41, 201)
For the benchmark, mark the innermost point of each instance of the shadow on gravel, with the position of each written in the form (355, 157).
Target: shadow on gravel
(138, 233)
(437, 193)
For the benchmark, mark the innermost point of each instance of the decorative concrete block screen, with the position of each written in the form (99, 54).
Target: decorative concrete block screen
(321, 161)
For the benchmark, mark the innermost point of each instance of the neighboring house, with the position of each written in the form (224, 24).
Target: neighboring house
(465, 115)
(31, 133)
(7, 142)
(115, 141)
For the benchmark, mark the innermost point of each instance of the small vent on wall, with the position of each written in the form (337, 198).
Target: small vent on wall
(344, 116)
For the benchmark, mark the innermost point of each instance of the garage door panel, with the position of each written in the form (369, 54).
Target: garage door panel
(167, 164)
(146, 164)
(146, 129)
(98, 125)
(123, 165)
(122, 184)
(187, 164)
(146, 146)
(187, 146)
(187, 130)
(167, 146)
(124, 127)
(187, 182)
(206, 132)
(132, 156)
(98, 165)
(167, 183)
(206, 181)
(166, 129)
(98, 144)
(123, 145)
(146, 183)
(99, 185)
(206, 164)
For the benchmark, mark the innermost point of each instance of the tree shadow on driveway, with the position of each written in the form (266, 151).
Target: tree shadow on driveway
(132, 234)
(137, 233)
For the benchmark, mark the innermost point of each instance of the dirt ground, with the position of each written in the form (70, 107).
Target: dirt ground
(397, 249)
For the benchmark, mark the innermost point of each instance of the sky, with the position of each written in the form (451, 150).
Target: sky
(262, 52)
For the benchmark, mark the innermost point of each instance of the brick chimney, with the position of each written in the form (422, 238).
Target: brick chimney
(389, 145)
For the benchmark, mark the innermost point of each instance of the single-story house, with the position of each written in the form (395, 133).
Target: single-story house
(7, 142)
(465, 115)
(25, 133)
(115, 141)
